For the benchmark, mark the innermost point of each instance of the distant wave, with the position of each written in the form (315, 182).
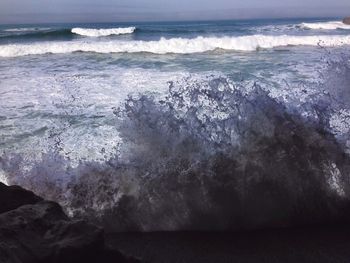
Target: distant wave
(332, 25)
(27, 29)
(90, 32)
(174, 45)
(35, 33)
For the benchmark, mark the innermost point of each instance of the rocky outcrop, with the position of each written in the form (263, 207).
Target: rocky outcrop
(12, 197)
(36, 231)
(346, 20)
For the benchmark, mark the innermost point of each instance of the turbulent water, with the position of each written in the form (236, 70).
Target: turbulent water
(179, 126)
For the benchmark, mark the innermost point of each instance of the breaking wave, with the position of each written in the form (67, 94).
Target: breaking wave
(332, 25)
(174, 45)
(91, 32)
(45, 33)
(210, 154)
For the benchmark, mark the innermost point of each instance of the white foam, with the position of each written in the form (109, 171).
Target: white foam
(90, 32)
(173, 45)
(3, 178)
(332, 25)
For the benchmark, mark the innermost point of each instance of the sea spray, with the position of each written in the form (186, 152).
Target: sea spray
(211, 154)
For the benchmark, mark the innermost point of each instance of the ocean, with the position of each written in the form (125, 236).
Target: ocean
(179, 125)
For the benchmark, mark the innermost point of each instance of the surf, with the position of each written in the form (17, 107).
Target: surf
(91, 32)
(331, 25)
(175, 45)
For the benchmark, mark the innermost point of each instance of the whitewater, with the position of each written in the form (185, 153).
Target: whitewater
(332, 25)
(175, 45)
(90, 32)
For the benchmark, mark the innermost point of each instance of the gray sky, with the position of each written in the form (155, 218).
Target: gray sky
(38, 11)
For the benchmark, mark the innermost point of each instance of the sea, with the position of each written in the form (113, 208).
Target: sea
(179, 125)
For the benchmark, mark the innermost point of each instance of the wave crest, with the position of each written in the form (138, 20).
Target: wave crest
(90, 32)
(333, 25)
(174, 45)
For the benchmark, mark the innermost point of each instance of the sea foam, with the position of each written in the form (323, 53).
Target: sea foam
(90, 32)
(174, 45)
(332, 25)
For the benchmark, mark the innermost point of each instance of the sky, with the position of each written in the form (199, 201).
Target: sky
(57, 11)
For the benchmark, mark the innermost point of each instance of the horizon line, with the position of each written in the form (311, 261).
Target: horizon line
(176, 20)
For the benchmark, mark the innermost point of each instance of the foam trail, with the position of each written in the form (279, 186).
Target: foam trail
(90, 32)
(332, 25)
(174, 45)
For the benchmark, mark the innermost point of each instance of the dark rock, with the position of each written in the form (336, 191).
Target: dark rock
(36, 231)
(346, 20)
(12, 197)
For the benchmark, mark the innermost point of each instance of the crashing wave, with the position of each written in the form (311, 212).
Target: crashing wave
(325, 25)
(90, 32)
(211, 154)
(174, 45)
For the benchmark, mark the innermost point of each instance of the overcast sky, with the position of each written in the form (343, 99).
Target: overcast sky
(38, 11)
